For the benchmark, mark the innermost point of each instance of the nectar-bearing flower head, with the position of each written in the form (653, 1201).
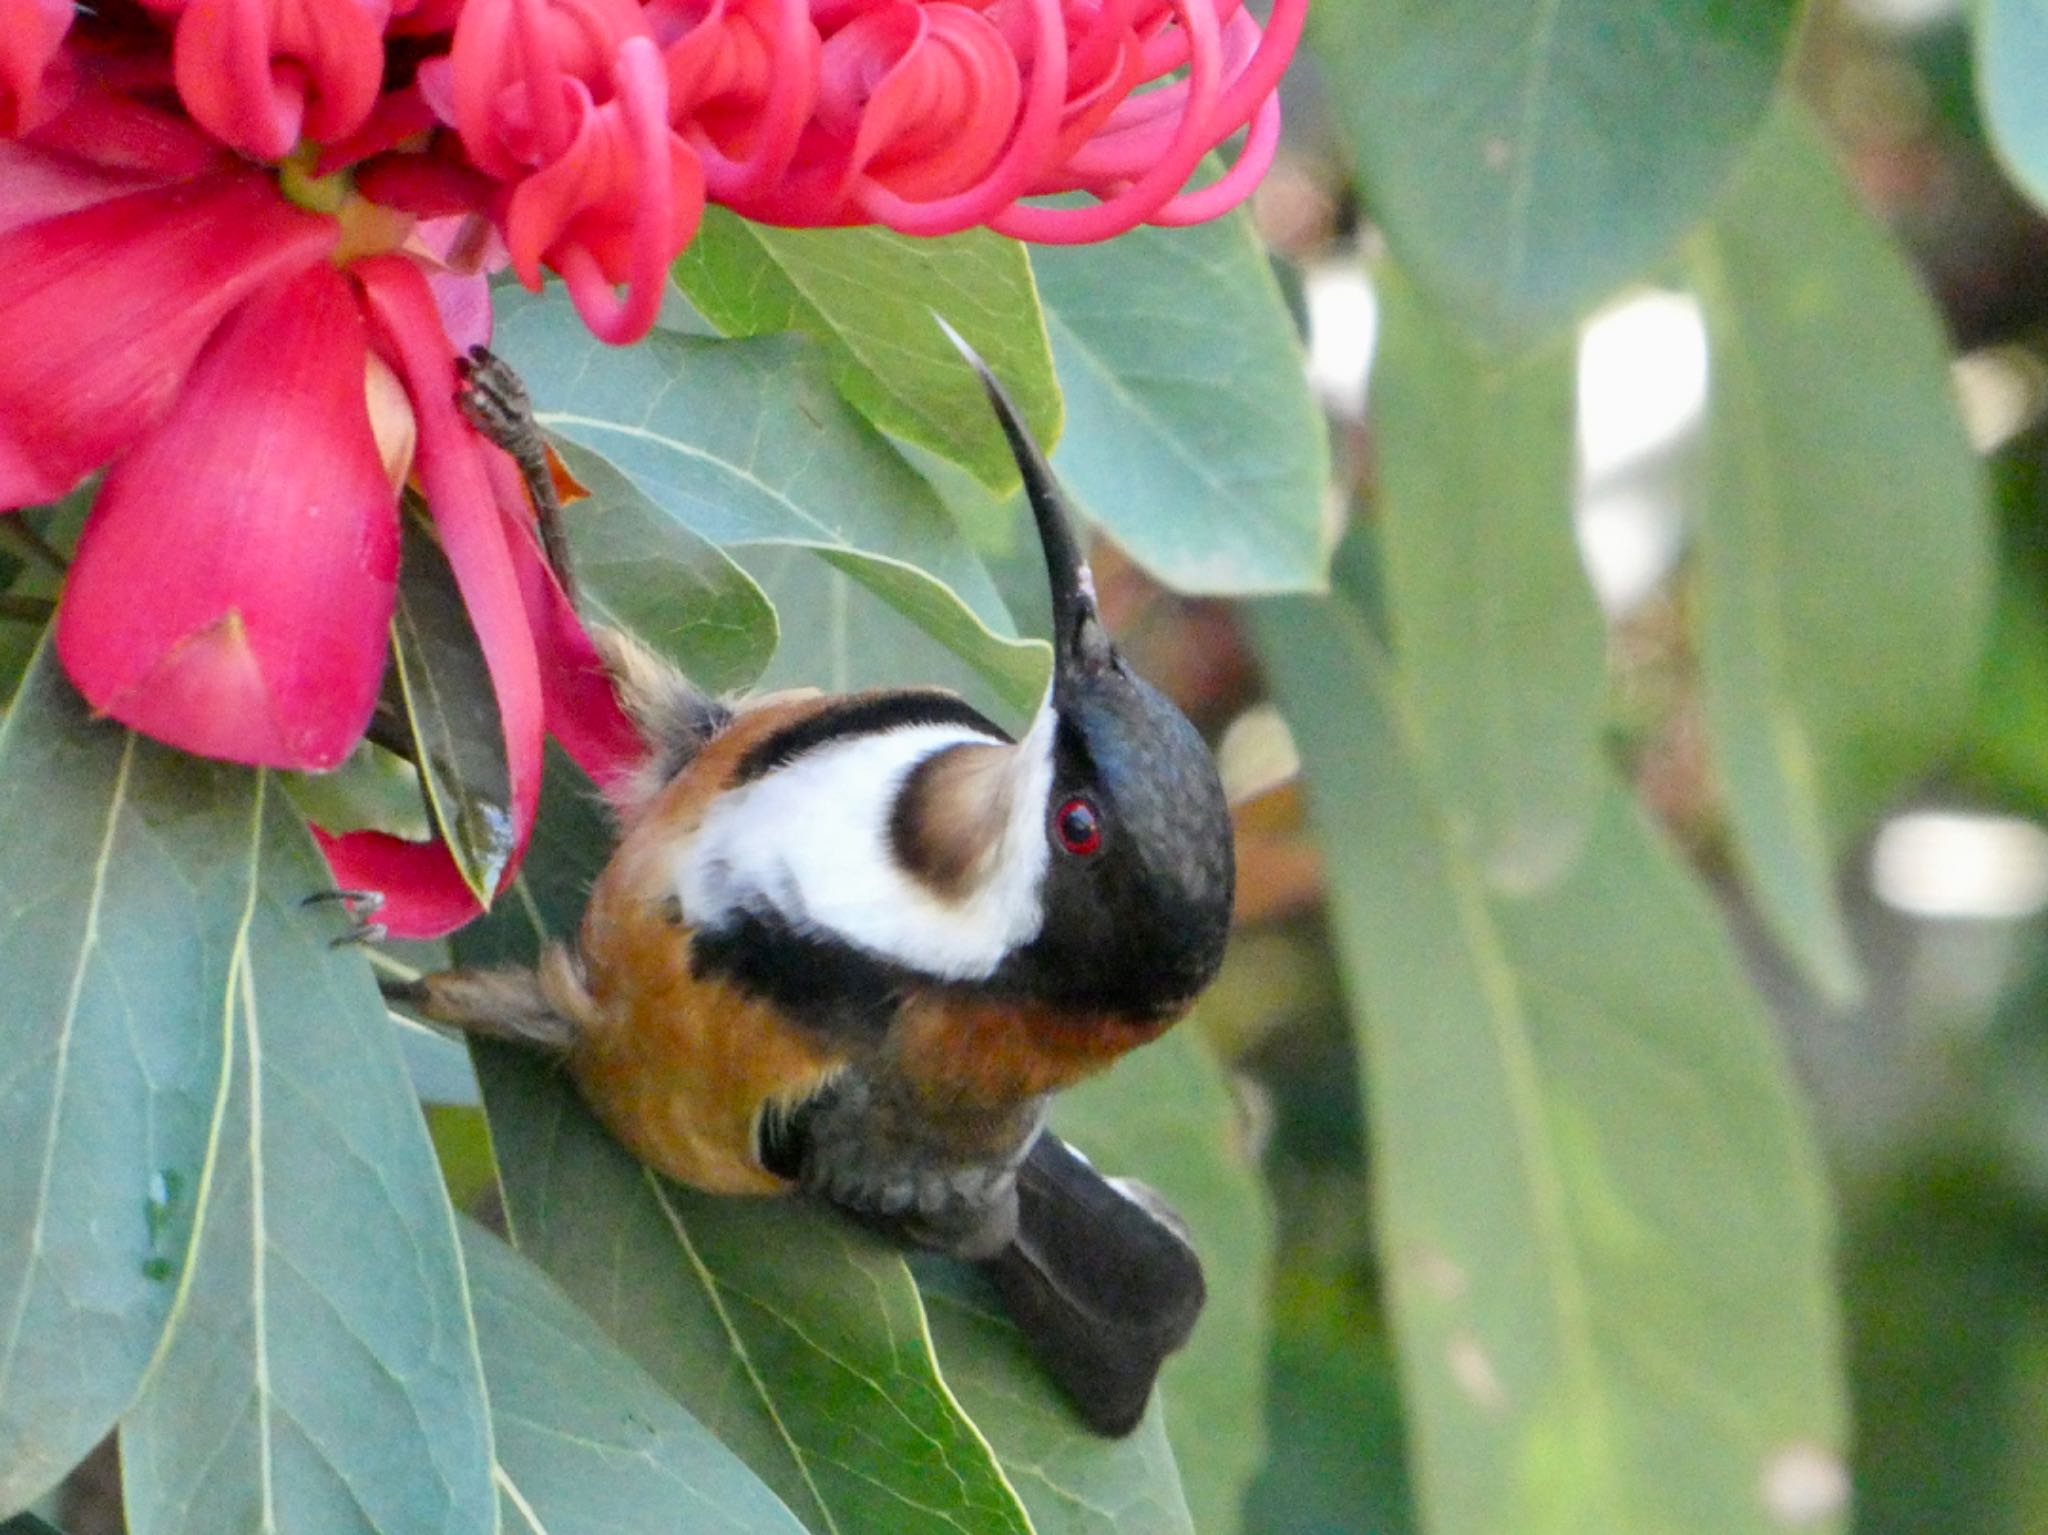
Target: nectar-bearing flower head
(243, 242)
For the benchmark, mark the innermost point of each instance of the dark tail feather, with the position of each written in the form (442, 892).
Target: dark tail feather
(1100, 1279)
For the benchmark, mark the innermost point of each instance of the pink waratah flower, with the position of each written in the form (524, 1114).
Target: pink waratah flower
(242, 243)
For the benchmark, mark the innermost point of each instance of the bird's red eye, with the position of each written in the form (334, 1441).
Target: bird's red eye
(1079, 827)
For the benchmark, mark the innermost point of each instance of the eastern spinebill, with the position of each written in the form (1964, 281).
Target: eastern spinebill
(852, 945)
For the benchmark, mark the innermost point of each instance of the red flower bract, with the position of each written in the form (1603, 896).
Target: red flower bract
(272, 575)
(243, 241)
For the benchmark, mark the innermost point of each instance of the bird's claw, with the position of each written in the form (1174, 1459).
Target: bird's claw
(361, 906)
(495, 402)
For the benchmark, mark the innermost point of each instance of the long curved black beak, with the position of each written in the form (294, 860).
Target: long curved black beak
(1080, 643)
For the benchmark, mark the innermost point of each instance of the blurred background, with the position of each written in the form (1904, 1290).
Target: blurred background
(1931, 1093)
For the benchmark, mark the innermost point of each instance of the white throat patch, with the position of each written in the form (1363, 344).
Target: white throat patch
(809, 843)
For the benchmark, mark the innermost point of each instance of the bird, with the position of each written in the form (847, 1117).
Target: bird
(850, 947)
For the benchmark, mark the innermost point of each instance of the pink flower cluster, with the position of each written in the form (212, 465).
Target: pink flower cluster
(242, 243)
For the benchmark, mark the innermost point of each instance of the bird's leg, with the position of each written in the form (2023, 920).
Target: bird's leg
(495, 403)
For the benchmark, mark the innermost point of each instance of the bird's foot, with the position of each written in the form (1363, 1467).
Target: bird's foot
(362, 907)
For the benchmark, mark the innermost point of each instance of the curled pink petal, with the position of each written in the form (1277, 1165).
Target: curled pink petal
(104, 310)
(510, 68)
(1148, 192)
(1035, 135)
(31, 35)
(234, 586)
(1235, 184)
(262, 74)
(617, 207)
(743, 79)
(929, 93)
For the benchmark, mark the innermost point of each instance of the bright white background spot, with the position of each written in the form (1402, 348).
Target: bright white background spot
(2001, 392)
(1642, 380)
(1805, 1485)
(1906, 15)
(1642, 397)
(1343, 324)
(1947, 863)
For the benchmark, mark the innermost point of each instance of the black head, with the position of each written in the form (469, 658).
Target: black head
(1137, 893)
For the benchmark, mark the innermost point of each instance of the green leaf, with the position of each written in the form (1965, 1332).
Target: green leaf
(640, 569)
(1525, 159)
(28, 1524)
(451, 710)
(1497, 627)
(793, 1335)
(839, 635)
(867, 296)
(124, 870)
(373, 790)
(1191, 437)
(1163, 1114)
(587, 1443)
(1844, 560)
(2011, 62)
(1600, 1211)
(1071, 1481)
(740, 441)
(321, 1373)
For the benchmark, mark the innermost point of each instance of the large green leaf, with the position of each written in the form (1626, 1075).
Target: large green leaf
(840, 633)
(794, 1336)
(321, 1374)
(745, 442)
(1191, 437)
(2012, 60)
(868, 297)
(125, 870)
(1071, 1481)
(741, 441)
(1600, 1212)
(587, 1443)
(1497, 627)
(1164, 1114)
(1844, 560)
(1525, 158)
(639, 569)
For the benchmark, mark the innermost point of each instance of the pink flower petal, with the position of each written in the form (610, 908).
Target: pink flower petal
(233, 589)
(31, 33)
(261, 74)
(1166, 173)
(509, 66)
(1029, 147)
(424, 892)
(742, 81)
(1235, 184)
(583, 711)
(104, 310)
(617, 207)
(122, 136)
